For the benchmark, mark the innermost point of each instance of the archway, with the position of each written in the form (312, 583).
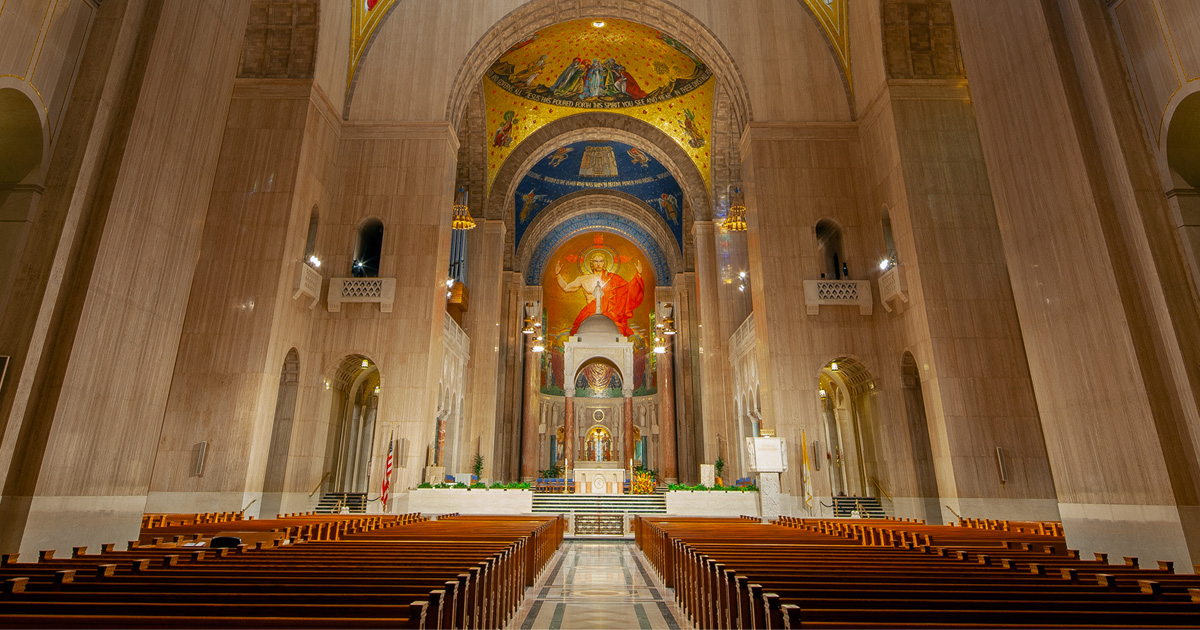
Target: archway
(829, 245)
(23, 142)
(928, 497)
(846, 391)
(352, 422)
(281, 435)
(1183, 159)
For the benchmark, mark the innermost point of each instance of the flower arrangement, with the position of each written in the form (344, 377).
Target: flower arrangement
(643, 483)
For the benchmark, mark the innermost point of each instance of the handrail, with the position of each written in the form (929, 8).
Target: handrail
(881, 489)
(861, 512)
(252, 501)
(319, 483)
(953, 512)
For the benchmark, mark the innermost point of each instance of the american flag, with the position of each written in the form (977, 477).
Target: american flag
(387, 474)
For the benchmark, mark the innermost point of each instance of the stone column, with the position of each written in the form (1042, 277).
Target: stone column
(485, 279)
(440, 453)
(714, 417)
(529, 422)
(666, 415)
(569, 433)
(627, 428)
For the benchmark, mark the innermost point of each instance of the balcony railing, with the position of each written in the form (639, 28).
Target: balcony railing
(892, 286)
(818, 293)
(381, 291)
(307, 281)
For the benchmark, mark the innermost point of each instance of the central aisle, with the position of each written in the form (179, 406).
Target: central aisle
(599, 584)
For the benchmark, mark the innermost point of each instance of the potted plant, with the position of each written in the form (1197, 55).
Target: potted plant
(718, 466)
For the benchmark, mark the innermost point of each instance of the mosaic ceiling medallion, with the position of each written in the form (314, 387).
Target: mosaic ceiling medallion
(588, 65)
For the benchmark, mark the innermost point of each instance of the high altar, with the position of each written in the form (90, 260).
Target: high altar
(599, 478)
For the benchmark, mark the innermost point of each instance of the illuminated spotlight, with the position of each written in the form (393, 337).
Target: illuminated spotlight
(366, 363)
(883, 264)
(742, 287)
(833, 366)
(598, 23)
(314, 261)
(537, 345)
(742, 274)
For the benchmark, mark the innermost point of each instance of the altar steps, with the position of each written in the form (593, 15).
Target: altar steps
(600, 503)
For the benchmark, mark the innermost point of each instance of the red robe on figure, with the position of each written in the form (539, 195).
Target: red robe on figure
(620, 299)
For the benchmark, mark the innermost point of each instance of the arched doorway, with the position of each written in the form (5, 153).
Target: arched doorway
(829, 245)
(281, 436)
(846, 391)
(928, 497)
(353, 410)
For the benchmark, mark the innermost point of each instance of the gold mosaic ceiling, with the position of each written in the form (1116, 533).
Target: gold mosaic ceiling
(585, 65)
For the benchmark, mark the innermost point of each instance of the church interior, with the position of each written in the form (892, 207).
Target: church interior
(944, 254)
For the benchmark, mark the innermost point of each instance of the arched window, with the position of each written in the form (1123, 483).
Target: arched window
(310, 244)
(889, 243)
(368, 250)
(829, 245)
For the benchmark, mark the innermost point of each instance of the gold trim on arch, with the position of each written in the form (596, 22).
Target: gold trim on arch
(362, 26)
(834, 18)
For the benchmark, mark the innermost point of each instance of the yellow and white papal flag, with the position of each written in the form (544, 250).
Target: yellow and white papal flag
(806, 478)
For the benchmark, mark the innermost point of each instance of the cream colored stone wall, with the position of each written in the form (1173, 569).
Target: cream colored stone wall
(102, 399)
(1116, 431)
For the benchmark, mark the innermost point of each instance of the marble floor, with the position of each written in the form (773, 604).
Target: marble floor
(599, 584)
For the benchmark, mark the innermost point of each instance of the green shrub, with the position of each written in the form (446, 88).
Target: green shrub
(425, 485)
(461, 485)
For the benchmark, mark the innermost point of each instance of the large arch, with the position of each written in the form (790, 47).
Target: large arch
(586, 202)
(598, 126)
(536, 15)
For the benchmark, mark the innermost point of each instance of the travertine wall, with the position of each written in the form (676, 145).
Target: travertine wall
(1120, 437)
(96, 410)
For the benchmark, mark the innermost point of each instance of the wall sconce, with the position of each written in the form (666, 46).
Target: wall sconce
(366, 364)
(537, 344)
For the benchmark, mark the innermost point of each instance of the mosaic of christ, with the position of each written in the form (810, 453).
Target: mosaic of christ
(598, 273)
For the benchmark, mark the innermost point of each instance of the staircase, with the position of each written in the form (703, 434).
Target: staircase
(610, 525)
(869, 507)
(331, 503)
(600, 503)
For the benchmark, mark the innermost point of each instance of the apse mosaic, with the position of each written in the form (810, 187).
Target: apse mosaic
(605, 273)
(575, 67)
(599, 165)
(598, 379)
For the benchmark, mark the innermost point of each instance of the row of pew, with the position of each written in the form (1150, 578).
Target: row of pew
(883, 573)
(308, 571)
(159, 520)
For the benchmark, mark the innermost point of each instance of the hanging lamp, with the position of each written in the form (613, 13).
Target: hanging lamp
(462, 214)
(735, 221)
